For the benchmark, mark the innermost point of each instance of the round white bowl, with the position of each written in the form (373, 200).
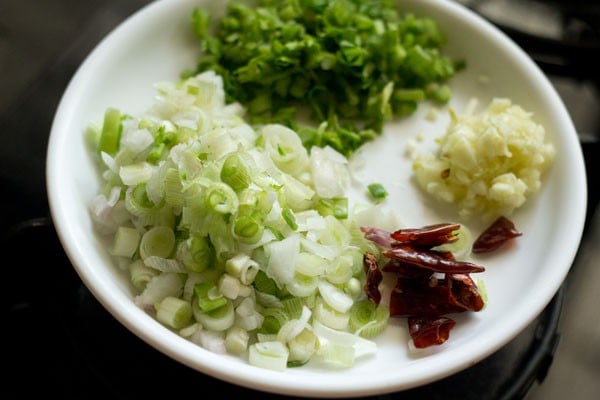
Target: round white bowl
(156, 44)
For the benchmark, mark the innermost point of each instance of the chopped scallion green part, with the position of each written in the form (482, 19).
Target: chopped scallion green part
(110, 135)
(197, 253)
(247, 229)
(338, 207)
(221, 198)
(206, 301)
(377, 191)
(290, 219)
(235, 173)
(335, 58)
(368, 319)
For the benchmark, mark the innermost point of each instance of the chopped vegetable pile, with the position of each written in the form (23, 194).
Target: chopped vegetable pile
(487, 163)
(243, 241)
(353, 64)
(237, 239)
(232, 219)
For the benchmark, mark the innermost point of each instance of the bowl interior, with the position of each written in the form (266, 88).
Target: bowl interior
(156, 44)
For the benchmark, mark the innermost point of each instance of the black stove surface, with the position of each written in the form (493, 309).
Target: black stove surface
(57, 338)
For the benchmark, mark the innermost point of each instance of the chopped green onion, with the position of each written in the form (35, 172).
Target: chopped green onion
(247, 229)
(232, 288)
(219, 319)
(339, 354)
(377, 191)
(355, 344)
(302, 285)
(173, 188)
(206, 299)
(221, 198)
(243, 267)
(110, 135)
(233, 223)
(235, 173)
(302, 347)
(290, 219)
(339, 270)
(236, 340)
(174, 312)
(270, 355)
(274, 319)
(158, 241)
(310, 264)
(330, 317)
(338, 207)
(125, 242)
(197, 253)
(134, 174)
(264, 284)
(335, 297)
(141, 274)
(368, 319)
(340, 60)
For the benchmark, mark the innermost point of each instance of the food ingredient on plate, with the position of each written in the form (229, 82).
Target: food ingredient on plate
(487, 163)
(236, 238)
(349, 64)
(377, 191)
(500, 232)
(430, 283)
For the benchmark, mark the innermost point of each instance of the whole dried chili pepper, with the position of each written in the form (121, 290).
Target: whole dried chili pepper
(433, 260)
(378, 236)
(427, 236)
(498, 233)
(405, 270)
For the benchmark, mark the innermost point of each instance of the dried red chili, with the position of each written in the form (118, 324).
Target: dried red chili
(427, 236)
(378, 236)
(405, 270)
(423, 297)
(498, 233)
(429, 283)
(374, 278)
(464, 292)
(433, 296)
(429, 331)
(435, 261)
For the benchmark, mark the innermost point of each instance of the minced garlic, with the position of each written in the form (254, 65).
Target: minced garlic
(487, 163)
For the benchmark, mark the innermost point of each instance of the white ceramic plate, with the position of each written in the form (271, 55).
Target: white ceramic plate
(156, 44)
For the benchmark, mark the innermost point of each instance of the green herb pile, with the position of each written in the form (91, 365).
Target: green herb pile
(344, 66)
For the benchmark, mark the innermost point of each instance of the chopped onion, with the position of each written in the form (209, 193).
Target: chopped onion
(239, 225)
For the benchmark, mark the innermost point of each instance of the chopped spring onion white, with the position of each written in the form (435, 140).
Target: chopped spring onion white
(236, 340)
(237, 237)
(158, 241)
(270, 355)
(335, 297)
(174, 312)
(126, 242)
